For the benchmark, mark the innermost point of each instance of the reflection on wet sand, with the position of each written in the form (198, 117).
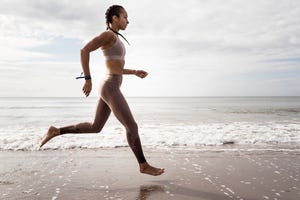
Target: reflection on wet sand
(147, 190)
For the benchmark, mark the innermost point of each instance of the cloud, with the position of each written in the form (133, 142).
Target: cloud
(204, 40)
(253, 27)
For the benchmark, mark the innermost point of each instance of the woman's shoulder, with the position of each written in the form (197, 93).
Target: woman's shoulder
(108, 35)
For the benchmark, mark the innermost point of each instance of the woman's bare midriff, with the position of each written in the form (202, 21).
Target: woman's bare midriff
(115, 66)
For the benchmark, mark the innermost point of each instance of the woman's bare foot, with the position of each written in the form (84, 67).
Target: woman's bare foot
(52, 132)
(145, 168)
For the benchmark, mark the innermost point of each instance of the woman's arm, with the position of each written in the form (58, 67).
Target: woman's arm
(129, 71)
(103, 39)
(139, 73)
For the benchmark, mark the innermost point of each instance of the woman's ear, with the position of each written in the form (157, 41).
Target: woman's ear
(115, 18)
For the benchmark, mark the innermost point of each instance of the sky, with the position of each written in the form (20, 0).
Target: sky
(189, 48)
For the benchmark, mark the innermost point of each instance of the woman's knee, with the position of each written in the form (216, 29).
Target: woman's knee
(96, 128)
(132, 126)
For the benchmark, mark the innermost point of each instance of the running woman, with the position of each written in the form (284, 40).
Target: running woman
(111, 99)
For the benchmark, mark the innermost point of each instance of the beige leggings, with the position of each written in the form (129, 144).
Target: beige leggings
(112, 100)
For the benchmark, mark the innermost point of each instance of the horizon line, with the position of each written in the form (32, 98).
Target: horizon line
(153, 96)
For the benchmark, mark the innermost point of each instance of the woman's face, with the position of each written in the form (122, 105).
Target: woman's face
(123, 20)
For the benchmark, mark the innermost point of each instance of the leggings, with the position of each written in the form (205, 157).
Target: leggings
(111, 99)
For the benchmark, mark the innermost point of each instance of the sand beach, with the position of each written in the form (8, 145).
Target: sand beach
(112, 173)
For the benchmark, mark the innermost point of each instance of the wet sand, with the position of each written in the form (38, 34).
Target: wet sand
(113, 174)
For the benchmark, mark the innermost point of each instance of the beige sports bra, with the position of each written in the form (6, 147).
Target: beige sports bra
(116, 51)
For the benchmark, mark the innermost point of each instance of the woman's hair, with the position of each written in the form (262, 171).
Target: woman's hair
(113, 10)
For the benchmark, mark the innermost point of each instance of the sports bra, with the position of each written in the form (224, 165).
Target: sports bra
(116, 51)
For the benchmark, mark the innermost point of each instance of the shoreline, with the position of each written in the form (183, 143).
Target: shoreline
(113, 174)
(288, 147)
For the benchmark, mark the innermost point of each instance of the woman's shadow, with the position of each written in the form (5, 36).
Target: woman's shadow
(147, 190)
(164, 185)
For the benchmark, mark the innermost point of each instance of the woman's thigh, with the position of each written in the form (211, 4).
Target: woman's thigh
(119, 107)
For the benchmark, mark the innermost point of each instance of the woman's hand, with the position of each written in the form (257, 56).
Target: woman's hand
(87, 88)
(140, 73)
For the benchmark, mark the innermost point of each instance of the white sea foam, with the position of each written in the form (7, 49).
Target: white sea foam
(163, 122)
(167, 135)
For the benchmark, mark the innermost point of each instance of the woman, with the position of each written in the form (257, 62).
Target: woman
(111, 98)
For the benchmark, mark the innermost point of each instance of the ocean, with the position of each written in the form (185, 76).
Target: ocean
(172, 122)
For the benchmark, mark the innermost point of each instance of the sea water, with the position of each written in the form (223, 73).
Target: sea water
(172, 122)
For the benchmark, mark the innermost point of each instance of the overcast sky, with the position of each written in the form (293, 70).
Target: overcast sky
(189, 48)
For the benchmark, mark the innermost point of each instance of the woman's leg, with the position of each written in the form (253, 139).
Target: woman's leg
(120, 108)
(102, 113)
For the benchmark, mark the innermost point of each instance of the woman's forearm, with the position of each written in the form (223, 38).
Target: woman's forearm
(85, 59)
(129, 71)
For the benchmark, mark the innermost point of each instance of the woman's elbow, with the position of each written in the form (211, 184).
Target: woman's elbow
(84, 52)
